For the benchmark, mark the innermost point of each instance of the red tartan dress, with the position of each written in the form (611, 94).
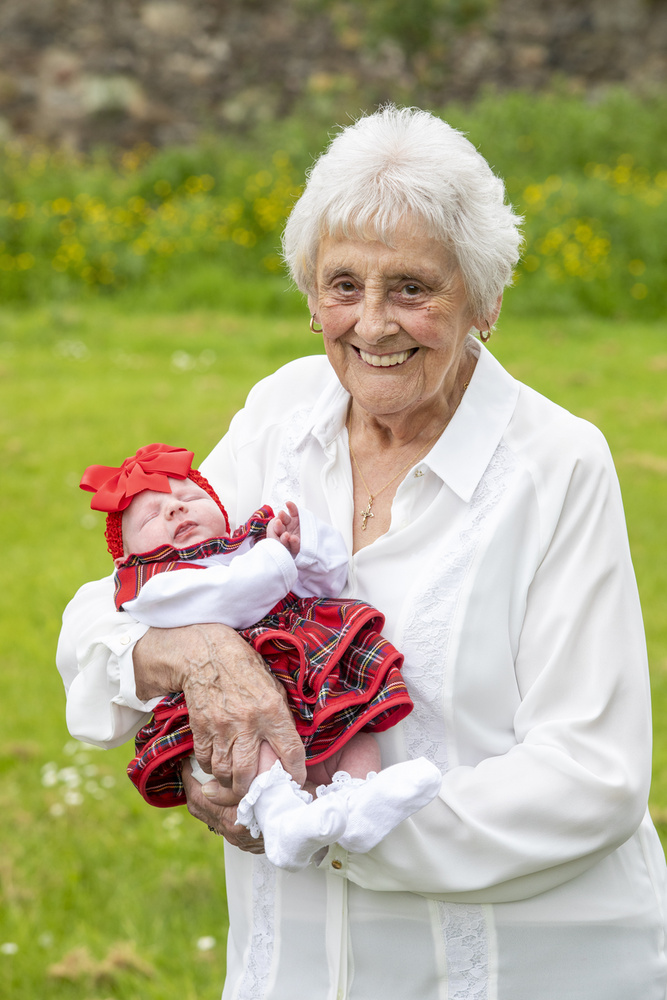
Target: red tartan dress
(340, 674)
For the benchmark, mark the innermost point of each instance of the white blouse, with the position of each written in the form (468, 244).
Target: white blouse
(506, 581)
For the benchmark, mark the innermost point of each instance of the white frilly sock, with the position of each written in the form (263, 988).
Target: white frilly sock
(294, 826)
(382, 801)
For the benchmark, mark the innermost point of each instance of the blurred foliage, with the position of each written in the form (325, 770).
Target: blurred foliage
(416, 27)
(66, 221)
(198, 224)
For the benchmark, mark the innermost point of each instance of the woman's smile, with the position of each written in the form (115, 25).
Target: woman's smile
(385, 360)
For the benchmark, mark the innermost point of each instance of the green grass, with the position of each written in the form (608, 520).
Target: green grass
(89, 383)
(84, 385)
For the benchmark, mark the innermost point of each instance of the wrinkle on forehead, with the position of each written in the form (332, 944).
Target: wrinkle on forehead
(390, 229)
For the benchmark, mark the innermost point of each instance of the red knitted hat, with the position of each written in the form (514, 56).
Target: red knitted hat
(150, 469)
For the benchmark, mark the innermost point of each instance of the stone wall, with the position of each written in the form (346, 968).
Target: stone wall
(120, 72)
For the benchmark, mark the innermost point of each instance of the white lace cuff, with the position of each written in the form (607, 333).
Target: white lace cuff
(342, 780)
(277, 775)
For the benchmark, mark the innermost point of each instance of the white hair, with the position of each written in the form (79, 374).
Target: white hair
(398, 162)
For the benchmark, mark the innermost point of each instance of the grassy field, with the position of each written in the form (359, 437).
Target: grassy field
(103, 896)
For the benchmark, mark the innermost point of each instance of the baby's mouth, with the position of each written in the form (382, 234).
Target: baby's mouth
(385, 360)
(184, 529)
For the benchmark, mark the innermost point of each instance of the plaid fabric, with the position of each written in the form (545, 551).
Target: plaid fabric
(340, 675)
(161, 747)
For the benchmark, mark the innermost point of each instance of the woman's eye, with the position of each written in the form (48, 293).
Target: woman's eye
(345, 286)
(411, 289)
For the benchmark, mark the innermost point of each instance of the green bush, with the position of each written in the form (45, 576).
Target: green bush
(190, 226)
(590, 179)
(109, 226)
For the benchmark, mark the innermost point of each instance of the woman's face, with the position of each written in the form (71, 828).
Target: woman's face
(394, 320)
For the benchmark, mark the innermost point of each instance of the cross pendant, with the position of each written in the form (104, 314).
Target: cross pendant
(365, 514)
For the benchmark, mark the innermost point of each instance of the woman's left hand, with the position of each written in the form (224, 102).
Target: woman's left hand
(220, 819)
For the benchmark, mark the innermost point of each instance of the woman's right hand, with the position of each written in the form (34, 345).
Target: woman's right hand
(233, 701)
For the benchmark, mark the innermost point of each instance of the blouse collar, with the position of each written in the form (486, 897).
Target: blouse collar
(461, 455)
(463, 452)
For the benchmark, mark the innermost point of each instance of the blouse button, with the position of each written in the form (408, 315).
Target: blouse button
(336, 864)
(125, 640)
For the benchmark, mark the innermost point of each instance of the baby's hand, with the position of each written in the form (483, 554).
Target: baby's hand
(285, 528)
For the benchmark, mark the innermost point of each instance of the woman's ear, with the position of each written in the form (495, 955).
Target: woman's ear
(484, 323)
(496, 311)
(118, 561)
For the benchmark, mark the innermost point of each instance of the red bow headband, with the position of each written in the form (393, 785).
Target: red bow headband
(150, 469)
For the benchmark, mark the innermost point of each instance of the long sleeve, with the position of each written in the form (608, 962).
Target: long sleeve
(572, 782)
(243, 589)
(322, 560)
(94, 657)
(237, 594)
(94, 654)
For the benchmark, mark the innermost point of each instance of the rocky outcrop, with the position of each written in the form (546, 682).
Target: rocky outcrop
(122, 72)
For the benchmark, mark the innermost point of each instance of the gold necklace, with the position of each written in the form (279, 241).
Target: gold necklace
(368, 510)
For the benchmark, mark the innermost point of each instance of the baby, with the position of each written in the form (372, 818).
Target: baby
(275, 580)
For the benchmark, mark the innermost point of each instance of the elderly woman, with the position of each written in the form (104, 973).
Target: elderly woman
(486, 524)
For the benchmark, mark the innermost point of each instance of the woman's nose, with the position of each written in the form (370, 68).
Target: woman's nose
(375, 322)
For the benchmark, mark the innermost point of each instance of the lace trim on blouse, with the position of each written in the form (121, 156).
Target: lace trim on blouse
(286, 482)
(255, 980)
(426, 638)
(464, 932)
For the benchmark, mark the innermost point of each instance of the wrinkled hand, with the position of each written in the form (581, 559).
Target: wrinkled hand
(286, 528)
(234, 704)
(233, 701)
(221, 818)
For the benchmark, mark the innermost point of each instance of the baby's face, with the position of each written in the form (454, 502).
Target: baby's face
(184, 517)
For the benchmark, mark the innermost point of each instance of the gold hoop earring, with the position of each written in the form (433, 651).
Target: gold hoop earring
(312, 325)
(485, 335)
